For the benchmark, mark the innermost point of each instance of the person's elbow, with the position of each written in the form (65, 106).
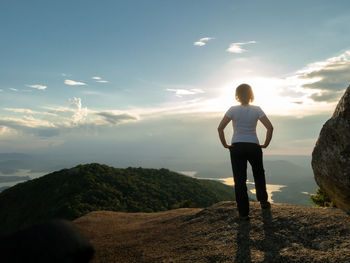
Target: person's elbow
(220, 129)
(270, 128)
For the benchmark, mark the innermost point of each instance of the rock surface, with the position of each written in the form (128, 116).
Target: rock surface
(331, 155)
(286, 233)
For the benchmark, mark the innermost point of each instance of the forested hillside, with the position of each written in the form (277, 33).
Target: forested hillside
(71, 193)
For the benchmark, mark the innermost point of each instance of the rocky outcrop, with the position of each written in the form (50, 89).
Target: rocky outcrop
(285, 233)
(331, 155)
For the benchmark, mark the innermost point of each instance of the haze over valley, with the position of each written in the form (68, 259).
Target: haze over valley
(289, 180)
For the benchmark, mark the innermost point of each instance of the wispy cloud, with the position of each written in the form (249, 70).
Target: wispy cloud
(30, 111)
(20, 110)
(203, 41)
(99, 79)
(25, 121)
(37, 86)
(115, 118)
(13, 89)
(184, 92)
(74, 83)
(238, 47)
(30, 125)
(179, 89)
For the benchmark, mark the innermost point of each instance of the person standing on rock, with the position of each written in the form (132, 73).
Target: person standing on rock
(245, 147)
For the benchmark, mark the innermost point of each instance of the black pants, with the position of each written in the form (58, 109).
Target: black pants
(240, 153)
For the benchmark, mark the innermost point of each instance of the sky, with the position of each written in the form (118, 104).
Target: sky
(144, 82)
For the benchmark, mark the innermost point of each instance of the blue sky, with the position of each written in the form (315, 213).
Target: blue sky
(83, 76)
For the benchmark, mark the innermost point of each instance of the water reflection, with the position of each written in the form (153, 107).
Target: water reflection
(20, 173)
(271, 188)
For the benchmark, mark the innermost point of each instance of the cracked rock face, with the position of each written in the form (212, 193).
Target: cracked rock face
(331, 155)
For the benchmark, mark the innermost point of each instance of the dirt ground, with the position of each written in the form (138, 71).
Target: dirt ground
(286, 233)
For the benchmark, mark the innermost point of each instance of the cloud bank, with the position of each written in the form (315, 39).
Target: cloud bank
(327, 79)
(54, 121)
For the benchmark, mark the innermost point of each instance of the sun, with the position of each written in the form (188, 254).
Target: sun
(284, 96)
(269, 94)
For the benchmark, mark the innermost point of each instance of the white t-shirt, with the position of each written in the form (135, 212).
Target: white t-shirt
(244, 121)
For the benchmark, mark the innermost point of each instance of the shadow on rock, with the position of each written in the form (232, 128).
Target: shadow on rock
(271, 249)
(243, 243)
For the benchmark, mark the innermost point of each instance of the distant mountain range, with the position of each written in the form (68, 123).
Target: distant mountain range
(294, 172)
(299, 181)
(12, 178)
(71, 193)
(10, 163)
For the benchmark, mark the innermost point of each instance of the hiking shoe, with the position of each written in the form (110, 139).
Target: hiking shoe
(243, 218)
(265, 205)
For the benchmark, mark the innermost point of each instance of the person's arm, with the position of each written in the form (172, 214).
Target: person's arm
(269, 130)
(225, 120)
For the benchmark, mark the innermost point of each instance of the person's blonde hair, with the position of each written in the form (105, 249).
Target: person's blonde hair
(244, 94)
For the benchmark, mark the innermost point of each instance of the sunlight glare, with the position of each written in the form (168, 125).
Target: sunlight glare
(276, 96)
(267, 93)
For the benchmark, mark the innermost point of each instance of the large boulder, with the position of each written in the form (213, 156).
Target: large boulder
(331, 155)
